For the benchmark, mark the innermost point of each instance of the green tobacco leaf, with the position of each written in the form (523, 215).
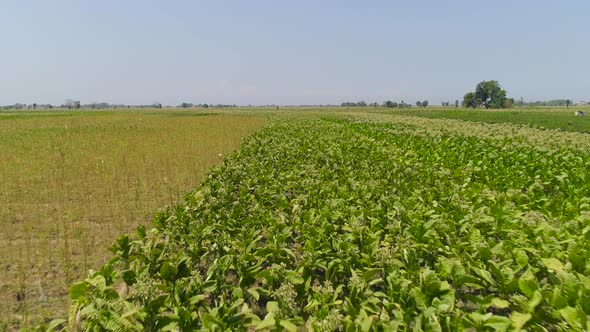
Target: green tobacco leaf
(293, 277)
(365, 321)
(98, 281)
(267, 323)
(528, 284)
(54, 324)
(168, 271)
(521, 257)
(128, 276)
(254, 292)
(272, 306)
(535, 301)
(432, 283)
(519, 319)
(498, 323)
(78, 290)
(499, 303)
(167, 323)
(553, 264)
(288, 326)
(571, 316)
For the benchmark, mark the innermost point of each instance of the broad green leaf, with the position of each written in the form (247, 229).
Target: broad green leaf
(288, 326)
(54, 324)
(168, 271)
(78, 290)
(499, 303)
(128, 276)
(267, 323)
(527, 284)
(521, 257)
(272, 306)
(571, 316)
(254, 293)
(535, 301)
(432, 283)
(498, 323)
(519, 319)
(553, 264)
(98, 281)
(293, 277)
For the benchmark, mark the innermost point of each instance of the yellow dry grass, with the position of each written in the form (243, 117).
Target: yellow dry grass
(71, 183)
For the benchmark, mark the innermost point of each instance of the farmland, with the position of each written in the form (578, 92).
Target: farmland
(348, 220)
(550, 118)
(72, 182)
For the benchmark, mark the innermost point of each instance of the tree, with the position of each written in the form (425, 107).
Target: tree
(419, 103)
(490, 94)
(207, 106)
(390, 104)
(469, 100)
(456, 103)
(425, 103)
(568, 103)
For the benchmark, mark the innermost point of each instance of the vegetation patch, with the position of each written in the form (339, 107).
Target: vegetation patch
(560, 119)
(330, 224)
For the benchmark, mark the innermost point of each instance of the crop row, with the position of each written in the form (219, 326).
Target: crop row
(330, 224)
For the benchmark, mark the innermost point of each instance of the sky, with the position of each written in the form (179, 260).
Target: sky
(282, 52)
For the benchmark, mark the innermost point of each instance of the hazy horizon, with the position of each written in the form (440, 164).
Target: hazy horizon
(290, 53)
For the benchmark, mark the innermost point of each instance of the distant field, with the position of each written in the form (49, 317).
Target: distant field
(557, 118)
(72, 182)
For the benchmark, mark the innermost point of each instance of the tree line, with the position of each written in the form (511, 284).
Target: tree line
(388, 104)
(552, 102)
(74, 105)
(191, 105)
(487, 94)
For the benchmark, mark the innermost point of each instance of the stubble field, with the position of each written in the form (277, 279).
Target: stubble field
(72, 182)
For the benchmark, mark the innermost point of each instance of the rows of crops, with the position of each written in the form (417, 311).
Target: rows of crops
(330, 224)
(555, 118)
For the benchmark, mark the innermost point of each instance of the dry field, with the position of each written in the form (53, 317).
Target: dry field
(71, 183)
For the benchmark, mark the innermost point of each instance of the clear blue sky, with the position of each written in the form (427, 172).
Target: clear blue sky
(290, 52)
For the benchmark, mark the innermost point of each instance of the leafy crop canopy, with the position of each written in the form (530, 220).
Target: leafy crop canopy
(328, 224)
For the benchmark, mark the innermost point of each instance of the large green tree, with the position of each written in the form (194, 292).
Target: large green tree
(488, 94)
(469, 100)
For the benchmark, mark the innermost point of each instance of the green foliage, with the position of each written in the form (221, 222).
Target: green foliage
(488, 94)
(469, 100)
(552, 102)
(545, 119)
(333, 225)
(422, 103)
(353, 104)
(390, 104)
